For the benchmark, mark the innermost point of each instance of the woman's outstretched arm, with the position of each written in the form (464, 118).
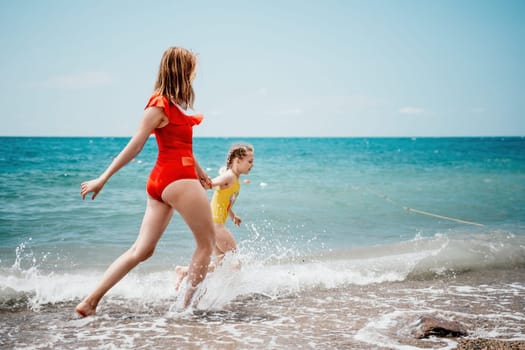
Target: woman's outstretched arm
(153, 117)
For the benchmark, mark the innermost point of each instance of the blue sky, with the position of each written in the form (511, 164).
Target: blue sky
(268, 68)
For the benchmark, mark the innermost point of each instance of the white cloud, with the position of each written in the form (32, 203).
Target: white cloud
(262, 92)
(478, 110)
(411, 110)
(329, 105)
(76, 81)
(345, 104)
(291, 111)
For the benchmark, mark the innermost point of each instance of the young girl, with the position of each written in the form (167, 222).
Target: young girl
(239, 161)
(177, 182)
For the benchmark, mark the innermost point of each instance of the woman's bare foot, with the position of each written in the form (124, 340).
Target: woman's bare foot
(85, 309)
(180, 273)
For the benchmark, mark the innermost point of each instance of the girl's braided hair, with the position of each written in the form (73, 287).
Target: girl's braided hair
(239, 150)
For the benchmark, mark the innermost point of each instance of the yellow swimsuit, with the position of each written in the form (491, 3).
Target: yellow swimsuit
(223, 200)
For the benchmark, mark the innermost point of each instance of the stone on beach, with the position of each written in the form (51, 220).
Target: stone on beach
(428, 325)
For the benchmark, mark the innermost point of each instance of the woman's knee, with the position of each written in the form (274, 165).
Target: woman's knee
(206, 245)
(140, 254)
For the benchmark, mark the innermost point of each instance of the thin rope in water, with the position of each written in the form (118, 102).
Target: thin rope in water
(417, 211)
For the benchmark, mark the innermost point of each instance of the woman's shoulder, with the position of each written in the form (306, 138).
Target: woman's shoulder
(174, 112)
(156, 100)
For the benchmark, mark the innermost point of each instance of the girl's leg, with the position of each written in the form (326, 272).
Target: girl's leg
(180, 273)
(190, 200)
(224, 243)
(156, 218)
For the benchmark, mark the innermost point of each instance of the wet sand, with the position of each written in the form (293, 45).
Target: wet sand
(489, 344)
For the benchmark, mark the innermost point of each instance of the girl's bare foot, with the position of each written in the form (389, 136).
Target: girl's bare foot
(85, 309)
(180, 273)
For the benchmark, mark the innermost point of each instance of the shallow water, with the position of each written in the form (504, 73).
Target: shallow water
(330, 256)
(373, 316)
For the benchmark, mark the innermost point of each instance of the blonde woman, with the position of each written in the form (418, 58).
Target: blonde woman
(177, 182)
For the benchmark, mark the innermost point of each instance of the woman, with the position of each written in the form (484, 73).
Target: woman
(177, 182)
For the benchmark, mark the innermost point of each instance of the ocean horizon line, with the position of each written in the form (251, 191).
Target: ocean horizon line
(273, 137)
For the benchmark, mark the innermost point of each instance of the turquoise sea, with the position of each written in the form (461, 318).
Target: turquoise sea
(344, 243)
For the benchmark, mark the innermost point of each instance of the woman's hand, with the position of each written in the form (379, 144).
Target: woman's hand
(205, 181)
(203, 176)
(91, 186)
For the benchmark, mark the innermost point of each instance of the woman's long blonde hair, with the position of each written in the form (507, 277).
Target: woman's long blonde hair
(176, 72)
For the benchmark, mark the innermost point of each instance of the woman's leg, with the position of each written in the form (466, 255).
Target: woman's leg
(156, 218)
(190, 200)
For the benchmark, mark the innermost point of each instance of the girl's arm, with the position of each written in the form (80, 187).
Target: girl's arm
(237, 220)
(153, 117)
(224, 180)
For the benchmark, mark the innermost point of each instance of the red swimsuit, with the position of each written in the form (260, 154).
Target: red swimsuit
(175, 158)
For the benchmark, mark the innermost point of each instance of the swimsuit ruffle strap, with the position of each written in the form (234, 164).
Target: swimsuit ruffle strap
(174, 113)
